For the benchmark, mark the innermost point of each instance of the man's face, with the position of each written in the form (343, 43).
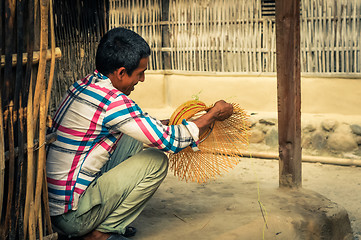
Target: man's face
(127, 83)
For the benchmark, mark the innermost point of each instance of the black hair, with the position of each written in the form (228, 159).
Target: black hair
(120, 47)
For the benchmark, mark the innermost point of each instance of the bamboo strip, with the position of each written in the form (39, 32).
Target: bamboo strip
(11, 171)
(41, 159)
(2, 158)
(36, 57)
(39, 99)
(47, 101)
(9, 7)
(177, 38)
(53, 57)
(305, 158)
(30, 164)
(40, 223)
(17, 230)
(40, 82)
(29, 120)
(32, 221)
(2, 142)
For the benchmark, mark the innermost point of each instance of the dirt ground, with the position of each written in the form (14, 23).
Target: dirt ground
(228, 208)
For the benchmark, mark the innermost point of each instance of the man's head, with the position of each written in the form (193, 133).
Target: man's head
(122, 56)
(118, 48)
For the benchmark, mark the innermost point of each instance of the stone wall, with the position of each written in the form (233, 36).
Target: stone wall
(322, 135)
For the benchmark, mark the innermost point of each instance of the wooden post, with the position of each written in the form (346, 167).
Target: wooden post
(165, 35)
(289, 92)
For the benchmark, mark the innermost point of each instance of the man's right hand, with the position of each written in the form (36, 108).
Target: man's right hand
(219, 112)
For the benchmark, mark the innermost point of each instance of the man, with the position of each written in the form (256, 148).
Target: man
(99, 176)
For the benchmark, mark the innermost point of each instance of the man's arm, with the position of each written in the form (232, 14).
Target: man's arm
(219, 112)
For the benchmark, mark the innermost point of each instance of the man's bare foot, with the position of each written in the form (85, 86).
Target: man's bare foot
(96, 235)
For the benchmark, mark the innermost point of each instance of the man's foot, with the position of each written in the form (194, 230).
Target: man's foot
(130, 231)
(96, 235)
(117, 237)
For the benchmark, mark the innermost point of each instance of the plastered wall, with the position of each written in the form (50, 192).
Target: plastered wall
(253, 92)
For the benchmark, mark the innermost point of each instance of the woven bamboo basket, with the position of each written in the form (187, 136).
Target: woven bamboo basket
(220, 147)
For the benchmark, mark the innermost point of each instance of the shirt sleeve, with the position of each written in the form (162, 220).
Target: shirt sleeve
(123, 115)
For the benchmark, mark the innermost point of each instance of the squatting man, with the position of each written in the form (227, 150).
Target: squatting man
(99, 176)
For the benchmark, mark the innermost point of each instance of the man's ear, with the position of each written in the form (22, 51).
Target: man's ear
(120, 72)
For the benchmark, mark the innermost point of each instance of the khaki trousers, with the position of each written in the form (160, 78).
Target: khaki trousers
(115, 199)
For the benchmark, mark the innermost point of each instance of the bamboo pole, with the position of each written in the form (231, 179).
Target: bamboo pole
(11, 170)
(44, 11)
(47, 101)
(53, 57)
(29, 198)
(9, 105)
(40, 81)
(29, 120)
(40, 222)
(18, 110)
(32, 221)
(36, 57)
(2, 158)
(305, 158)
(2, 142)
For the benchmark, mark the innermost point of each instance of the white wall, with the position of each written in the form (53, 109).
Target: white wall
(164, 89)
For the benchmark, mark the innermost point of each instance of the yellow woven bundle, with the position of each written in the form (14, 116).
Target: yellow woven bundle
(186, 111)
(220, 148)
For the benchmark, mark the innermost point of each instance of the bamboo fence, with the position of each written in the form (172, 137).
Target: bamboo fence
(26, 81)
(143, 17)
(79, 26)
(331, 36)
(239, 35)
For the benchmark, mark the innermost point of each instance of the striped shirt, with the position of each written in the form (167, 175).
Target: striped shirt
(89, 122)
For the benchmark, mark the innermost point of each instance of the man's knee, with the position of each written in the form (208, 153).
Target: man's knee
(157, 158)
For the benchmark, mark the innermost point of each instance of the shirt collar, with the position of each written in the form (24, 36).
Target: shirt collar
(100, 75)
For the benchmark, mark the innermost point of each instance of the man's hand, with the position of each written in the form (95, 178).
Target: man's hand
(219, 112)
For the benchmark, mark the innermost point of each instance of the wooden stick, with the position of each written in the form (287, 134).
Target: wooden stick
(18, 108)
(11, 170)
(305, 158)
(46, 204)
(47, 100)
(40, 81)
(9, 105)
(2, 142)
(28, 97)
(44, 10)
(30, 167)
(35, 57)
(2, 158)
(40, 225)
(32, 222)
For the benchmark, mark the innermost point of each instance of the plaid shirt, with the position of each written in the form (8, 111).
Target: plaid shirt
(89, 122)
